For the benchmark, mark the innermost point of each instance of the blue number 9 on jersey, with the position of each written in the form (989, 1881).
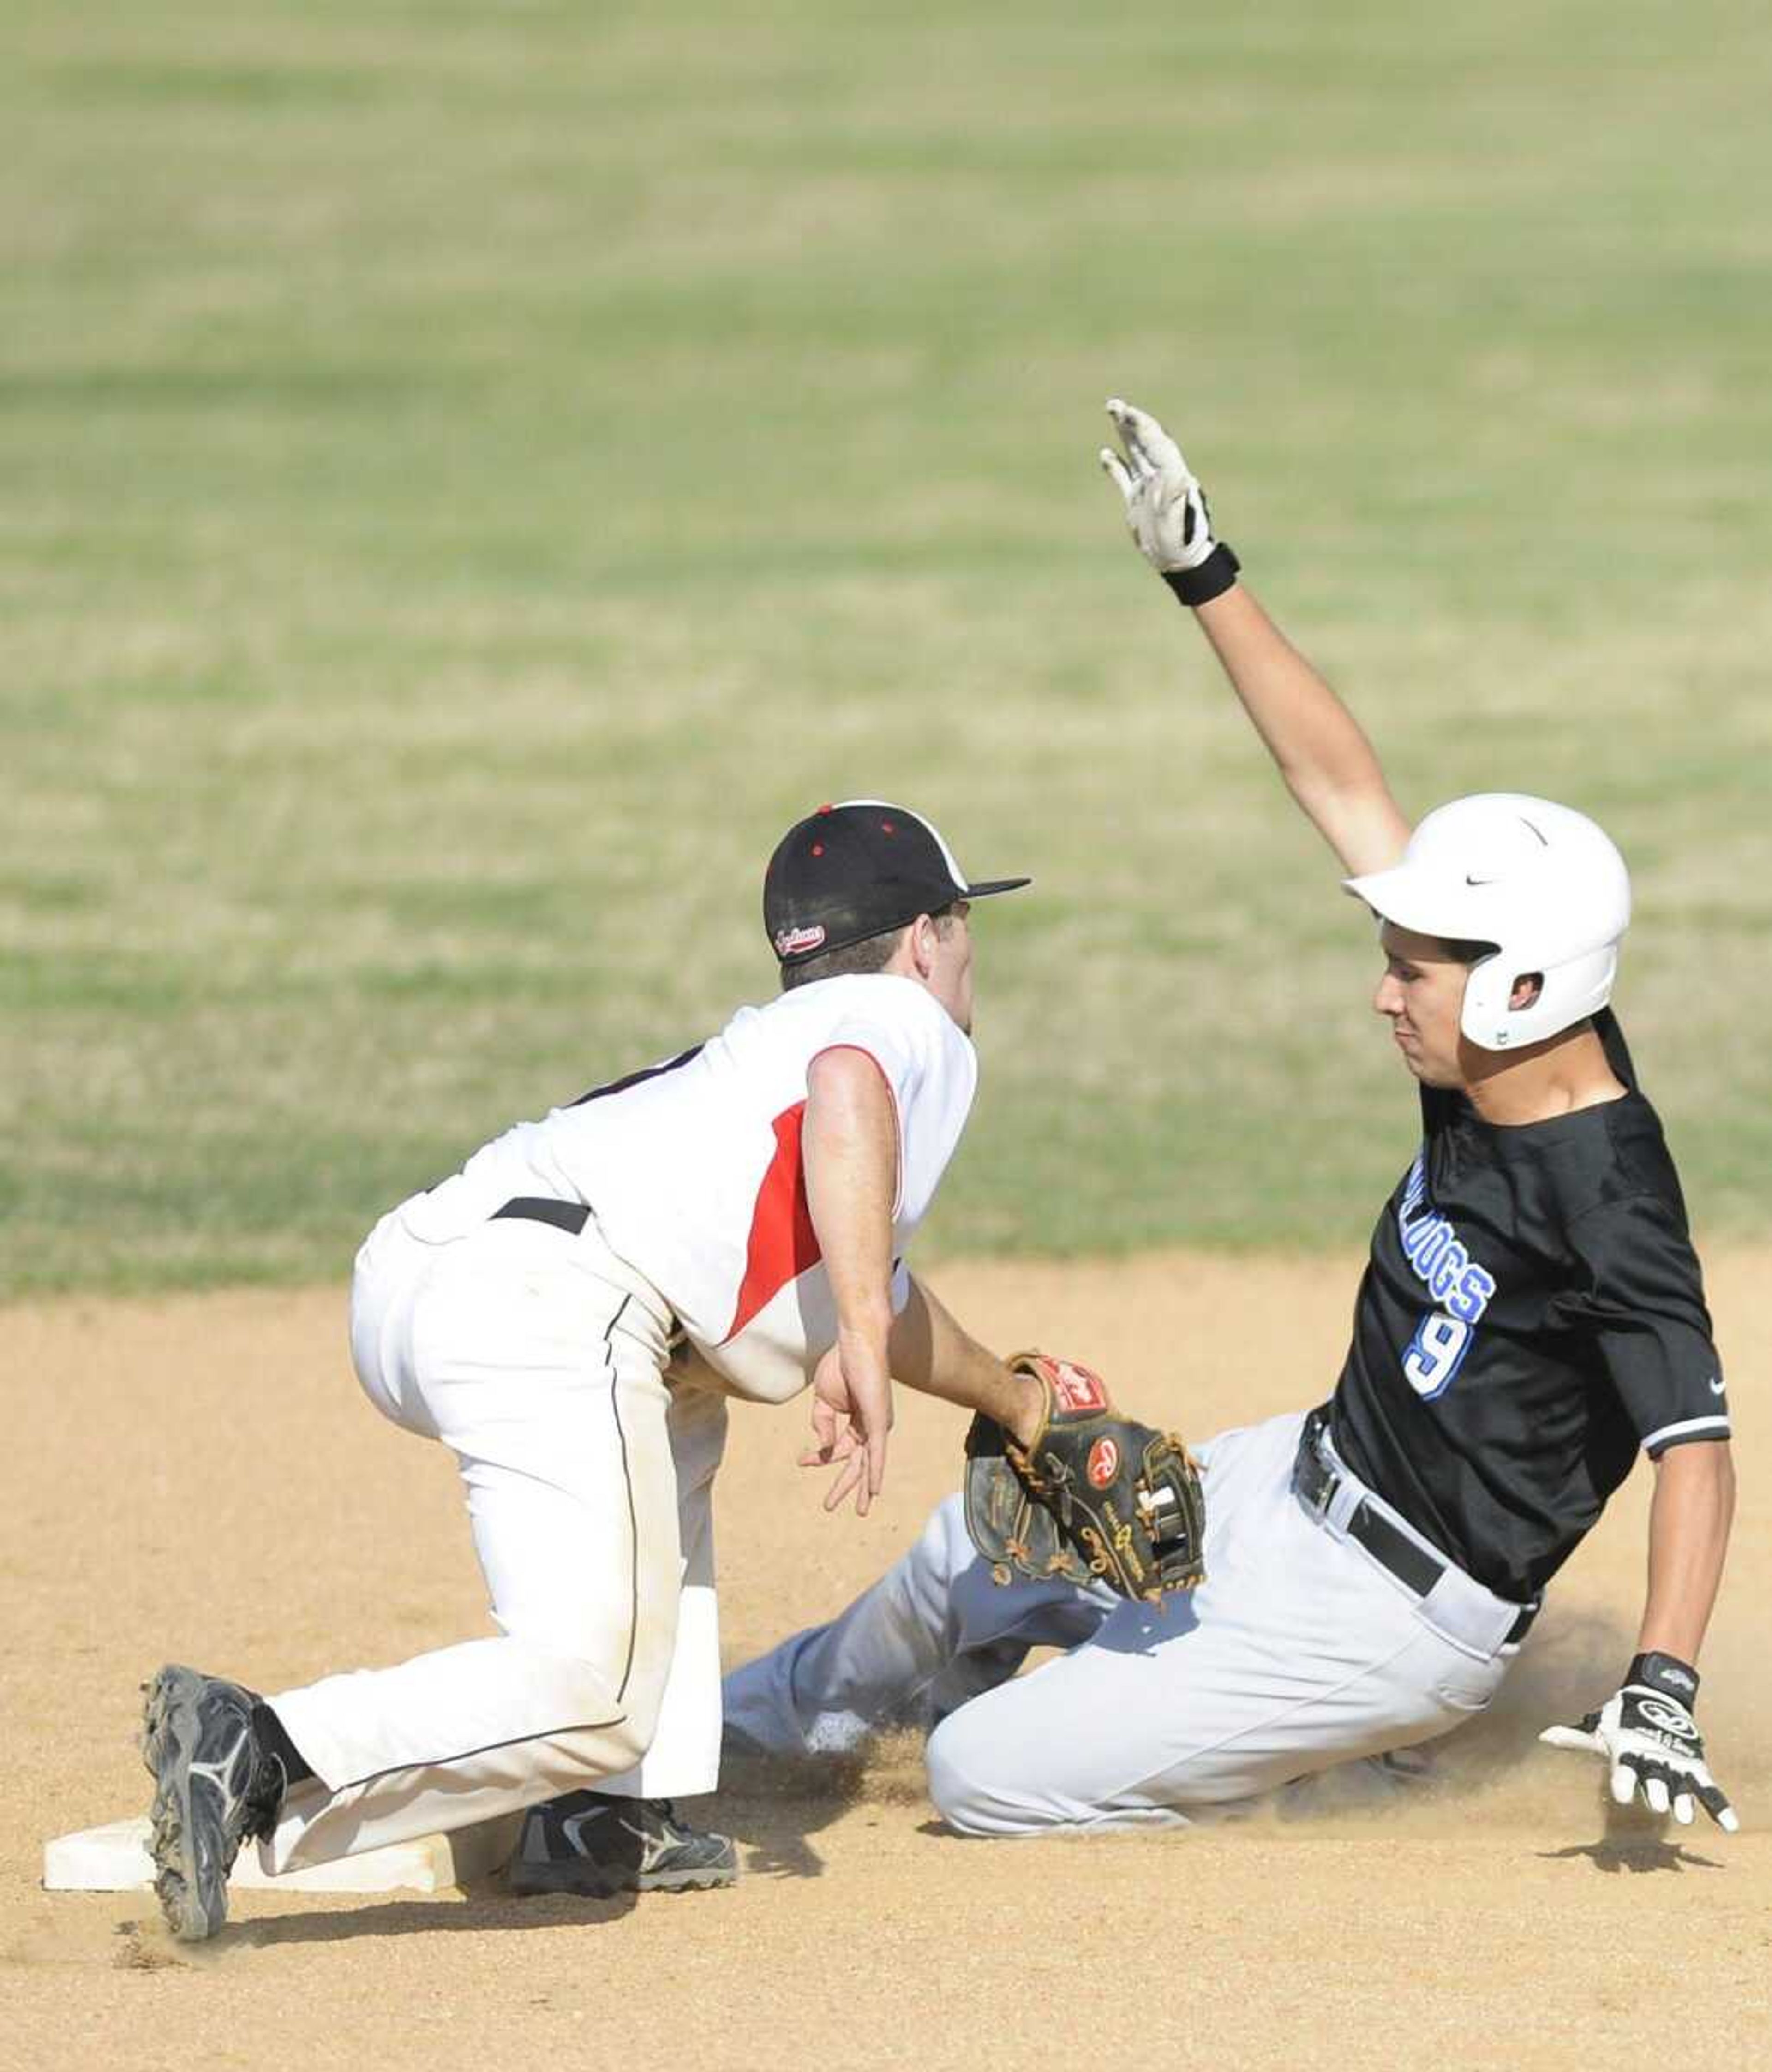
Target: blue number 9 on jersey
(1436, 1354)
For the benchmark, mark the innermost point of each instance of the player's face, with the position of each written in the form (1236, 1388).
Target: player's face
(951, 978)
(1422, 995)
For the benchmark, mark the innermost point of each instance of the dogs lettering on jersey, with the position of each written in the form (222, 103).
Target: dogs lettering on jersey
(1444, 1266)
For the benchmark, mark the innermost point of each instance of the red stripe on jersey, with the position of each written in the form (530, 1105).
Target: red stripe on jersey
(783, 1242)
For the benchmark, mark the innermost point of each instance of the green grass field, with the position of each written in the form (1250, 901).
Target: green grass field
(469, 475)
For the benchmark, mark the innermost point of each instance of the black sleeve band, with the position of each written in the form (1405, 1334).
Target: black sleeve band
(1666, 1674)
(1212, 578)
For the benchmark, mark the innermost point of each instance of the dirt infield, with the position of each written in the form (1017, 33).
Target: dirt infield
(199, 1480)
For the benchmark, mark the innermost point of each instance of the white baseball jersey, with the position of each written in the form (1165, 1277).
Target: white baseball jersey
(694, 1167)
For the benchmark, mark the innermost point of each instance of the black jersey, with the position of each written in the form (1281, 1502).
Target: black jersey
(1532, 1314)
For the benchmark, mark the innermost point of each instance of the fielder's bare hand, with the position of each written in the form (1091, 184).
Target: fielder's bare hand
(1166, 506)
(851, 1414)
(1650, 1743)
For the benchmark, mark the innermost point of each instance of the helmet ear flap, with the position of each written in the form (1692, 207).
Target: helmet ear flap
(1490, 1018)
(1484, 1015)
(1568, 992)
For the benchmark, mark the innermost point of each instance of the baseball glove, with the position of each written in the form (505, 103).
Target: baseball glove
(1097, 1498)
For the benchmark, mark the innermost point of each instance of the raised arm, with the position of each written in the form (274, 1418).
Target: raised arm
(1325, 760)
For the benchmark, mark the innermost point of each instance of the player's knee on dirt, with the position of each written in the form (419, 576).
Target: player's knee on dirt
(644, 1699)
(619, 1721)
(966, 1783)
(580, 1761)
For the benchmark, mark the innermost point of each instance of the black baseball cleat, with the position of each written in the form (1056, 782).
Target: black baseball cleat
(599, 1846)
(214, 1786)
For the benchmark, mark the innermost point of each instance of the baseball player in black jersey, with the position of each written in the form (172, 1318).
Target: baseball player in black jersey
(1533, 1315)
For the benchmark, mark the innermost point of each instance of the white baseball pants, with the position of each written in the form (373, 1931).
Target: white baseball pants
(538, 1358)
(1297, 1653)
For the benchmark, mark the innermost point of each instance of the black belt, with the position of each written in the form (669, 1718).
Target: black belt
(570, 1216)
(1316, 1480)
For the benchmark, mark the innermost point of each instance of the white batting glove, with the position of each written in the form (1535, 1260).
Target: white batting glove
(1165, 507)
(1650, 1743)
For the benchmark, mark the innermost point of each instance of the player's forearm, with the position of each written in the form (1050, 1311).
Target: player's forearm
(1322, 754)
(850, 1143)
(931, 1353)
(1688, 1537)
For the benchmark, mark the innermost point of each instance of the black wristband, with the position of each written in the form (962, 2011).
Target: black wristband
(1666, 1674)
(1212, 578)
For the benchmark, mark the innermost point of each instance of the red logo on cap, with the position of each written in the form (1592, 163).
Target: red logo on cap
(792, 942)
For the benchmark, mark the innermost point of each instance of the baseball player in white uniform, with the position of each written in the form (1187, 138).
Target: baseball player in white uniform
(749, 1203)
(1532, 1318)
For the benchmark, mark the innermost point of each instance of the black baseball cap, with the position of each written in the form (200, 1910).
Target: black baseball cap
(853, 870)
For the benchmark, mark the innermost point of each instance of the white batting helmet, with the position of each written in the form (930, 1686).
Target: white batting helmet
(1542, 883)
